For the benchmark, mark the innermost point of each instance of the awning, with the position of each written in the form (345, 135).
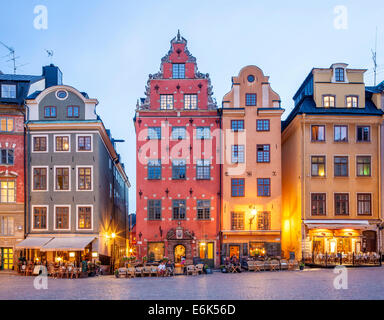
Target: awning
(67, 244)
(33, 242)
(337, 224)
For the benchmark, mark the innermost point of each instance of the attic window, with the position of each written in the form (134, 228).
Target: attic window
(8, 91)
(251, 78)
(339, 75)
(178, 71)
(61, 94)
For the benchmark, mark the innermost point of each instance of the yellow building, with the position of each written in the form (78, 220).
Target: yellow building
(331, 167)
(251, 183)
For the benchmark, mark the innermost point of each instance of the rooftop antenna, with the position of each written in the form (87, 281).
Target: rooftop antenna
(50, 54)
(374, 59)
(12, 54)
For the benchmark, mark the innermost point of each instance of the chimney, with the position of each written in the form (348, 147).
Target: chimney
(53, 76)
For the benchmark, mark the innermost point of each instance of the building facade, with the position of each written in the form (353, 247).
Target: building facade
(77, 204)
(178, 172)
(13, 90)
(251, 174)
(331, 166)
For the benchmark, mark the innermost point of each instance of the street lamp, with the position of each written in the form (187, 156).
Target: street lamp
(253, 216)
(113, 236)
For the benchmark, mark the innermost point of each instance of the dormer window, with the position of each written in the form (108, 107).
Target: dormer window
(339, 75)
(166, 101)
(8, 91)
(352, 102)
(178, 71)
(329, 101)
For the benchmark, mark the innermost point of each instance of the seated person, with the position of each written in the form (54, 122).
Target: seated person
(161, 269)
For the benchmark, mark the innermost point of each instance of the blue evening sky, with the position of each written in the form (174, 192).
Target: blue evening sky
(108, 48)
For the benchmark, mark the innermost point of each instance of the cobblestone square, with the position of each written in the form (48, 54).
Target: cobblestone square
(363, 283)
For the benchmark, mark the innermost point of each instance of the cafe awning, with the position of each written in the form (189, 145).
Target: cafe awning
(33, 242)
(337, 224)
(67, 244)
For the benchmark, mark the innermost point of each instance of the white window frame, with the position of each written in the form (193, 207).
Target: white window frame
(47, 177)
(54, 178)
(10, 85)
(32, 219)
(69, 142)
(54, 216)
(77, 142)
(77, 216)
(77, 177)
(33, 143)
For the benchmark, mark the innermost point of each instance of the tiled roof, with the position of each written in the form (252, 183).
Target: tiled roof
(20, 77)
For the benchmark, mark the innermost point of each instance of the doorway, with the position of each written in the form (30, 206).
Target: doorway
(179, 253)
(234, 250)
(6, 258)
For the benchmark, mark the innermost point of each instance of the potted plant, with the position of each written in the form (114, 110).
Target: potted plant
(223, 269)
(207, 269)
(145, 259)
(301, 265)
(117, 273)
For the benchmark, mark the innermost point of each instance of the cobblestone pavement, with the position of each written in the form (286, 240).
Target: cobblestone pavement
(363, 283)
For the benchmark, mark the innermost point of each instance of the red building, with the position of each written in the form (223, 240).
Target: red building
(178, 171)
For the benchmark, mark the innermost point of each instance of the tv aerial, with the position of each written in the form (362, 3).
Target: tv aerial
(12, 56)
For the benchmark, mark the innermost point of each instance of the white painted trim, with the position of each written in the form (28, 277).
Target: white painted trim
(54, 178)
(54, 216)
(47, 177)
(62, 99)
(77, 177)
(33, 143)
(69, 142)
(32, 219)
(77, 216)
(77, 142)
(363, 155)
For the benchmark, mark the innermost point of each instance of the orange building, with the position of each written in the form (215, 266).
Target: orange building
(251, 180)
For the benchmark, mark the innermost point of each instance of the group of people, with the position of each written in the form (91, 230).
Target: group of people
(233, 262)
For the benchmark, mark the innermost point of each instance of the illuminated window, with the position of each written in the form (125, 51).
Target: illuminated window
(62, 179)
(363, 166)
(6, 125)
(62, 218)
(317, 133)
(318, 204)
(178, 71)
(62, 144)
(352, 101)
(166, 101)
(40, 218)
(329, 101)
(155, 250)
(263, 221)
(84, 178)
(341, 204)
(364, 204)
(8, 191)
(190, 101)
(318, 166)
(84, 218)
(237, 220)
(206, 250)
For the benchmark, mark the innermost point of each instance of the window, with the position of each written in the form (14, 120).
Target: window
(352, 101)
(364, 204)
(50, 112)
(363, 134)
(62, 218)
(339, 74)
(318, 166)
(237, 187)
(40, 218)
(203, 133)
(84, 217)
(73, 111)
(178, 209)
(329, 101)
(318, 133)
(62, 179)
(84, 143)
(341, 204)
(250, 99)
(7, 226)
(178, 133)
(341, 166)
(363, 166)
(62, 144)
(190, 101)
(7, 156)
(340, 133)
(237, 125)
(156, 250)
(203, 209)
(203, 170)
(166, 101)
(40, 179)
(263, 187)
(263, 152)
(264, 221)
(84, 178)
(179, 169)
(262, 125)
(39, 144)
(318, 204)
(154, 209)
(237, 155)
(178, 71)
(154, 133)
(237, 220)
(8, 91)
(8, 191)
(6, 125)
(154, 169)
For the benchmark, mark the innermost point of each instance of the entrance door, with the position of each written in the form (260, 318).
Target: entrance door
(370, 241)
(7, 258)
(234, 250)
(179, 252)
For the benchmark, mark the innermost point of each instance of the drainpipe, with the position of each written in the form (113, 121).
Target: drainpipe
(220, 186)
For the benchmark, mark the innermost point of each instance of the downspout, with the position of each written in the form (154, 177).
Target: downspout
(303, 188)
(220, 186)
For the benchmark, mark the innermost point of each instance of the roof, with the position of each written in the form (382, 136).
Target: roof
(308, 106)
(376, 89)
(20, 77)
(36, 93)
